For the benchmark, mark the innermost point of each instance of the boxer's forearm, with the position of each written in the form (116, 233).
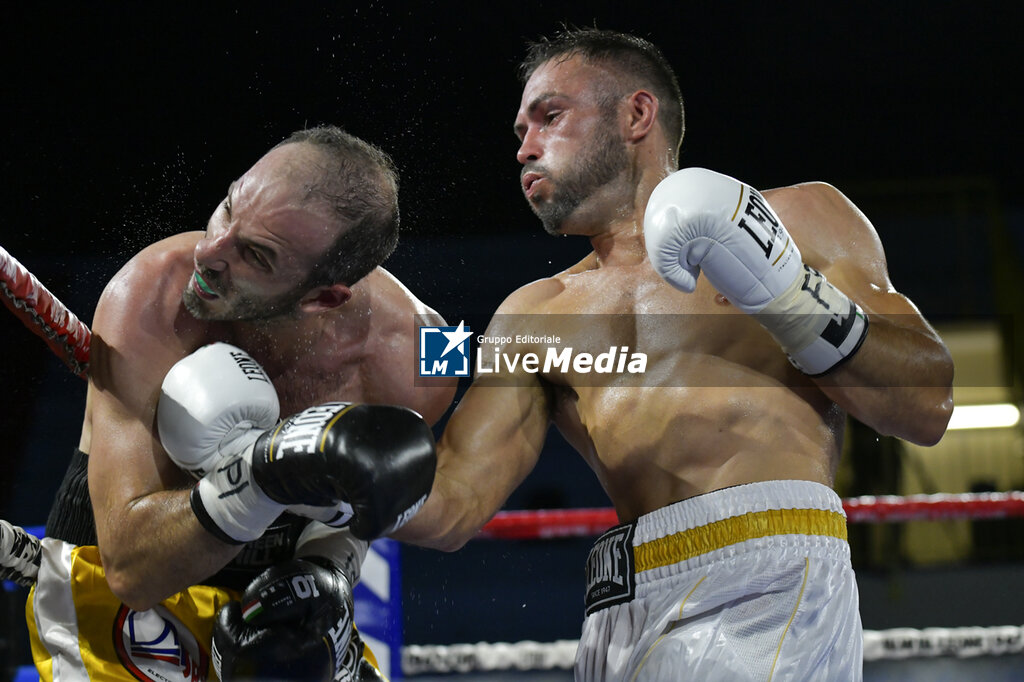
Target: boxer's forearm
(449, 518)
(900, 383)
(158, 548)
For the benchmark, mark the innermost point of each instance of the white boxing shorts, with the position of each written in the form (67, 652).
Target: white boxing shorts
(752, 582)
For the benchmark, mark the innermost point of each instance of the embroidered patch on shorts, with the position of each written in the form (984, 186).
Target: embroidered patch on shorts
(610, 576)
(154, 646)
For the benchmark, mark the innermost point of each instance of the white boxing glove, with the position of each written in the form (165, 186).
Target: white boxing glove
(214, 403)
(699, 220)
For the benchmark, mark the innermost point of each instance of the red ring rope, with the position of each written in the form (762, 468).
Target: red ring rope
(563, 523)
(67, 336)
(70, 339)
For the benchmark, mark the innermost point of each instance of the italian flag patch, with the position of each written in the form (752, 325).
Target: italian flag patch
(251, 610)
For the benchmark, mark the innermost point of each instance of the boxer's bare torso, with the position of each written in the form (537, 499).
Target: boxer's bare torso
(718, 403)
(359, 351)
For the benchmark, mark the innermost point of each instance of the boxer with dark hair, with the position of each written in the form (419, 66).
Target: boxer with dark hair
(731, 561)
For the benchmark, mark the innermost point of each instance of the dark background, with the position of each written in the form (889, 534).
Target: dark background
(125, 124)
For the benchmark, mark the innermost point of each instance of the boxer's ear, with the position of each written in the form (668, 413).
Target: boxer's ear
(642, 115)
(324, 298)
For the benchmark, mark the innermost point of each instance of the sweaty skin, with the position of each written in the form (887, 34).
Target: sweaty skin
(721, 404)
(340, 343)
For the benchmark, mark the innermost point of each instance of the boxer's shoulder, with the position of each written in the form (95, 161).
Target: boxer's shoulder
(534, 298)
(818, 211)
(175, 250)
(392, 302)
(141, 309)
(158, 272)
(831, 231)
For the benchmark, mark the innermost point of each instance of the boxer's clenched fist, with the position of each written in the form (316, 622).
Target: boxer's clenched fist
(214, 403)
(294, 622)
(698, 220)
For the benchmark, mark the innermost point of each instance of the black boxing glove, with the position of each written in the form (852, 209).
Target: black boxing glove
(373, 464)
(294, 622)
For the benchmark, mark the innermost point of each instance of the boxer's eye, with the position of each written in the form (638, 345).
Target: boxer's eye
(259, 259)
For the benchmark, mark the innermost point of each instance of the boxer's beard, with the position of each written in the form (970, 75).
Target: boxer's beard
(244, 307)
(598, 163)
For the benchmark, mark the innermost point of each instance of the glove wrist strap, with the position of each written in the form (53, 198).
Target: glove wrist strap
(817, 325)
(230, 505)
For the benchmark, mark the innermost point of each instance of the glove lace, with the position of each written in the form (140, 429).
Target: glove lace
(20, 554)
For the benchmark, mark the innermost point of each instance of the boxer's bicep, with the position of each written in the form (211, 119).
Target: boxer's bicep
(123, 465)
(900, 382)
(126, 461)
(495, 437)
(492, 439)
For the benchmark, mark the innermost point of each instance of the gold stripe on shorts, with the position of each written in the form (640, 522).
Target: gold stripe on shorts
(687, 544)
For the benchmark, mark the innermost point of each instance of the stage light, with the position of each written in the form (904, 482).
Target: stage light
(998, 415)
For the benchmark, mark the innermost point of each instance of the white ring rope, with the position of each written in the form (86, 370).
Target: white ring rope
(894, 644)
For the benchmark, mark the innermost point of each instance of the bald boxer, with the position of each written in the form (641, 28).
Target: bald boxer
(743, 328)
(288, 270)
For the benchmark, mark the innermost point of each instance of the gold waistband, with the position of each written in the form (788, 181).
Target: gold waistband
(687, 544)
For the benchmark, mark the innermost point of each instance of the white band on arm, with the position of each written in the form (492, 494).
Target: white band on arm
(338, 545)
(230, 505)
(817, 325)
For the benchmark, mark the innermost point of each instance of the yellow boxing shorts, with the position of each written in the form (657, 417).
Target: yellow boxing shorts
(80, 631)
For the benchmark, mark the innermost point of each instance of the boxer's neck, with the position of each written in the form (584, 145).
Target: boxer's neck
(620, 239)
(314, 342)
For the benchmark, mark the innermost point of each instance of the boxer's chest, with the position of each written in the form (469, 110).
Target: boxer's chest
(633, 307)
